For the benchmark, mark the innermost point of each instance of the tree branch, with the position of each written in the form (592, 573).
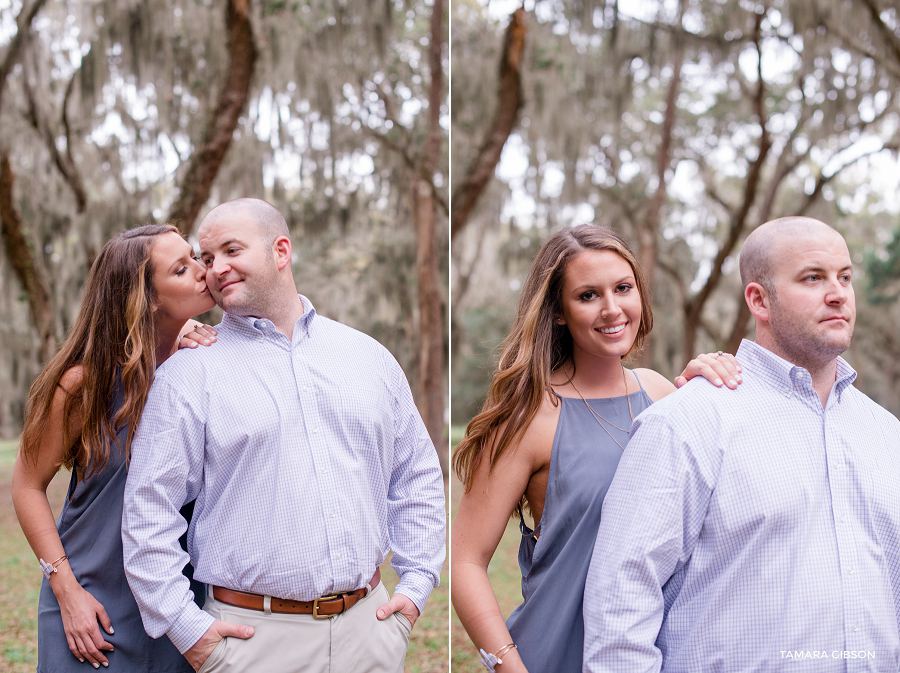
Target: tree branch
(222, 121)
(855, 45)
(67, 129)
(410, 161)
(694, 308)
(64, 162)
(674, 274)
(648, 233)
(510, 102)
(823, 180)
(391, 116)
(893, 42)
(23, 27)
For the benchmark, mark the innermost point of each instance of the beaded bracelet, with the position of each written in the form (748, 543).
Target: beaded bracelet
(489, 659)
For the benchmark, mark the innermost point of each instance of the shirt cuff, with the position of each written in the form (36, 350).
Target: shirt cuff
(189, 627)
(416, 587)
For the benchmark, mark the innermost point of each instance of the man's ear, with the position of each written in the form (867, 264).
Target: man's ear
(757, 298)
(282, 251)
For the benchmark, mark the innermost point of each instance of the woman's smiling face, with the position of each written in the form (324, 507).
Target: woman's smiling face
(601, 305)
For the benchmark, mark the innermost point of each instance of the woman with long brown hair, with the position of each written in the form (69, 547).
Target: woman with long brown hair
(82, 413)
(548, 439)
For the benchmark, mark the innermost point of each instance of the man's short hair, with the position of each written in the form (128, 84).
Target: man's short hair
(755, 262)
(756, 254)
(268, 218)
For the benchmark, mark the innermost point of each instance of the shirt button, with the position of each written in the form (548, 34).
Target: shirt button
(843, 518)
(305, 390)
(315, 431)
(852, 571)
(332, 515)
(855, 627)
(323, 470)
(339, 556)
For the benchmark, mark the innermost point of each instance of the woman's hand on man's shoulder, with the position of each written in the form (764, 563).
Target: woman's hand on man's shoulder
(717, 368)
(196, 334)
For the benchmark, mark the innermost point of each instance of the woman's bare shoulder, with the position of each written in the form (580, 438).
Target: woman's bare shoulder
(72, 380)
(538, 436)
(655, 384)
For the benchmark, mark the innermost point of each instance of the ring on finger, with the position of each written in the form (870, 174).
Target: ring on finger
(719, 354)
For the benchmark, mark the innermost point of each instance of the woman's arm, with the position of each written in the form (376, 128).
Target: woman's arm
(479, 524)
(80, 611)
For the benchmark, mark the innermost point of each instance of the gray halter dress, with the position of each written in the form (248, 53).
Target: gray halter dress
(548, 628)
(90, 529)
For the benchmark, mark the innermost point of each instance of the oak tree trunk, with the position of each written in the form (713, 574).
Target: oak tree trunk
(25, 263)
(430, 380)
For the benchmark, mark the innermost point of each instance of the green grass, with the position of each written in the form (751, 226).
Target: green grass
(20, 576)
(503, 572)
(20, 581)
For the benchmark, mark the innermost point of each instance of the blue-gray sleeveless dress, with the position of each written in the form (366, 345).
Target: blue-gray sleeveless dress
(90, 527)
(548, 628)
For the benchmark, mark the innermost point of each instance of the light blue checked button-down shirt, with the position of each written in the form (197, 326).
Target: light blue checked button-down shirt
(308, 460)
(751, 530)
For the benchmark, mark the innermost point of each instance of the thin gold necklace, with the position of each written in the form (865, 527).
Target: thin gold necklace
(598, 417)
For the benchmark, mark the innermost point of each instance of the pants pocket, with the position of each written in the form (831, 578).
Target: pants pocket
(404, 624)
(216, 657)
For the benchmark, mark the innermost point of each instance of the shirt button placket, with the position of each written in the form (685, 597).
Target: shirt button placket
(310, 410)
(847, 555)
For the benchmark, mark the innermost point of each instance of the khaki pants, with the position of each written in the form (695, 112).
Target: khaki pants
(352, 642)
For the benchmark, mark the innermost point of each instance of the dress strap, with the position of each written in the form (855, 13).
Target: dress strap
(523, 527)
(636, 378)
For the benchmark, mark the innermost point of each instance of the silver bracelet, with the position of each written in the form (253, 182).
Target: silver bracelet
(489, 659)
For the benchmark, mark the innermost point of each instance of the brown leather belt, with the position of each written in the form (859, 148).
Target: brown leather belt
(320, 608)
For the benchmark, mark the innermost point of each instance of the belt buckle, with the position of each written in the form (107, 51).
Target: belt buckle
(315, 608)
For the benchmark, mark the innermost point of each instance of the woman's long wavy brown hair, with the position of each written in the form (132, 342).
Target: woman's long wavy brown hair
(536, 346)
(113, 337)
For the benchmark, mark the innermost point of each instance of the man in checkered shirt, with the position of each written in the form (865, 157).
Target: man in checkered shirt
(299, 439)
(758, 529)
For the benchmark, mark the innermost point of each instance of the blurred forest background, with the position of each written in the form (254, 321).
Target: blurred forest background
(120, 113)
(684, 124)
(116, 113)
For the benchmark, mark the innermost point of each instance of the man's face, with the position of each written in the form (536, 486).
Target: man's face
(241, 271)
(813, 308)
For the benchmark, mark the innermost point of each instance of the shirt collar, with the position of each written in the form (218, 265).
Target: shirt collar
(785, 376)
(262, 325)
